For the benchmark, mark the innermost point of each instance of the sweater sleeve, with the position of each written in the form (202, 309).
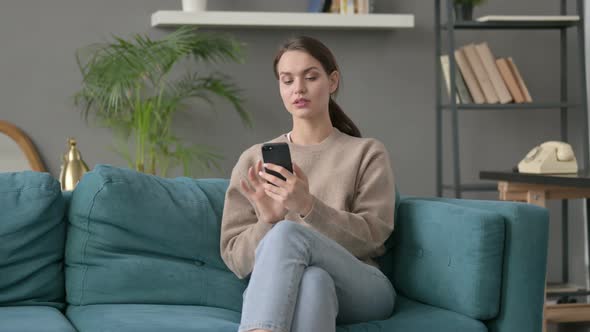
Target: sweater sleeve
(240, 229)
(370, 222)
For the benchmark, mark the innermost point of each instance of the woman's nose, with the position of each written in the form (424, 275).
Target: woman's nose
(299, 86)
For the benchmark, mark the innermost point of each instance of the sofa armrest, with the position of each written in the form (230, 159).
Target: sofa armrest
(524, 262)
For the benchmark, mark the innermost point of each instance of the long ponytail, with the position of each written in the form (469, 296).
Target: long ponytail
(341, 121)
(322, 53)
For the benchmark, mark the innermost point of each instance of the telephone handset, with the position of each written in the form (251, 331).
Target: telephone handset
(551, 157)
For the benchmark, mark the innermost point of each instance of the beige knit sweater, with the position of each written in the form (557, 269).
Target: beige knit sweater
(353, 190)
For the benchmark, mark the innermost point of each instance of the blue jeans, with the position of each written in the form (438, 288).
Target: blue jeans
(304, 281)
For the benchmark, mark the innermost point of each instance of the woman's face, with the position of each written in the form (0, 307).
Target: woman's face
(304, 85)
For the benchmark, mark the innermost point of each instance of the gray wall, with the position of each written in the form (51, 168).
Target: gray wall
(388, 90)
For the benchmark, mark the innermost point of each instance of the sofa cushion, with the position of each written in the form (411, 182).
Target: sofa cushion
(152, 318)
(32, 236)
(33, 319)
(411, 316)
(138, 238)
(449, 256)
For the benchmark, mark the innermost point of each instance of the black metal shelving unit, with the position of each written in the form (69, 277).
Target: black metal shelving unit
(564, 105)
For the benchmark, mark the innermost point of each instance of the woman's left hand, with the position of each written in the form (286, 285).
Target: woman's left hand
(293, 193)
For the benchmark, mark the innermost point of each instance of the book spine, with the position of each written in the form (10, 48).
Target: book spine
(335, 6)
(315, 6)
(362, 6)
(489, 63)
(347, 7)
(445, 68)
(480, 73)
(350, 8)
(469, 77)
(462, 88)
(521, 84)
(510, 80)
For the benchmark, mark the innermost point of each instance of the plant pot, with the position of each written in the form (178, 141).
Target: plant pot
(463, 12)
(194, 5)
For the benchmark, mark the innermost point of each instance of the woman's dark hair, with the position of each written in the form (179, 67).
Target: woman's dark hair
(320, 52)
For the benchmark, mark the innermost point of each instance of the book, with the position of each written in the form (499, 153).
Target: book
(347, 6)
(469, 78)
(510, 80)
(489, 63)
(462, 94)
(445, 68)
(461, 88)
(335, 7)
(319, 6)
(327, 6)
(315, 6)
(361, 6)
(521, 84)
(528, 18)
(480, 74)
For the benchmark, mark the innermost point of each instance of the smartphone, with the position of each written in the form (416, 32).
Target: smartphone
(278, 154)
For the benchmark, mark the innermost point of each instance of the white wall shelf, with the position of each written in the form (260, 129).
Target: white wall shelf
(165, 18)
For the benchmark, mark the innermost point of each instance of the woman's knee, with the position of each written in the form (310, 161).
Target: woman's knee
(285, 229)
(281, 232)
(284, 234)
(317, 282)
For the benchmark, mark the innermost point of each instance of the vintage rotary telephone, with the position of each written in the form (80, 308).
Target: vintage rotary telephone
(551, 157)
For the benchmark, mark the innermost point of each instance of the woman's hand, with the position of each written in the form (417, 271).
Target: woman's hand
(293, 193)
(269, 210)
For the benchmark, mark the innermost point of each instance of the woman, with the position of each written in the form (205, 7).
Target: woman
(308, 243)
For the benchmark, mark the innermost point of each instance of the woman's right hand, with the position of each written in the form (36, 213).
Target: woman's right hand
(269, 210)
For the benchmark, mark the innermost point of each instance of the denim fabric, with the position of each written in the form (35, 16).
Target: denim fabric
(304, 281)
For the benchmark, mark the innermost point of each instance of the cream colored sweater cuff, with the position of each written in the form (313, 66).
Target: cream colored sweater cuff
(318, 211)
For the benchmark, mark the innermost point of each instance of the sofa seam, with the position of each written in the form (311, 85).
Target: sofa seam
(478, 281)
(18, 190)
(122, 181)
(487, 229)
(87, 240)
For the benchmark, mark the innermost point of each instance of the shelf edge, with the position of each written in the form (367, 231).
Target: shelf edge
(281, 19)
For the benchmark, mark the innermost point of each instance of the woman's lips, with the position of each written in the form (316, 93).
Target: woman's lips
(300, 103)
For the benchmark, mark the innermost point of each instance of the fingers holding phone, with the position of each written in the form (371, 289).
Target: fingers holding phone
(269, 211)
(293, 193)
(279, 181)
(254, 188)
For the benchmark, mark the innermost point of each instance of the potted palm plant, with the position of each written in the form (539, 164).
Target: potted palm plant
(464, 9)
(127, 85)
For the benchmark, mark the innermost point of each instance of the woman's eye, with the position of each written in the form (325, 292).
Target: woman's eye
(312, 78)
(288, 82)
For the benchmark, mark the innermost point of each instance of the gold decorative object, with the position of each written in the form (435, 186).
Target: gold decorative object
(73, 167)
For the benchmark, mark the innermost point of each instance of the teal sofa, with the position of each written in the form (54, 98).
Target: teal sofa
(132, 252)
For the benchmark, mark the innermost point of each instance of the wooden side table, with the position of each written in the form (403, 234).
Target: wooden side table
(537, 189)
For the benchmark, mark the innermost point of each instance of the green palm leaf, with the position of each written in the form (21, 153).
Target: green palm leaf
(125, 84)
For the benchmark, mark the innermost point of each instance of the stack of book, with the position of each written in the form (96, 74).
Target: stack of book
(481, 78)
(341, 6)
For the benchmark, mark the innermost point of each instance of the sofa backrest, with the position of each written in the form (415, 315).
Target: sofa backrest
(137, 238)
(32, 236)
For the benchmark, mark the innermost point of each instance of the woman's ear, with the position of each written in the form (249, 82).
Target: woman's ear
(334, 79)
